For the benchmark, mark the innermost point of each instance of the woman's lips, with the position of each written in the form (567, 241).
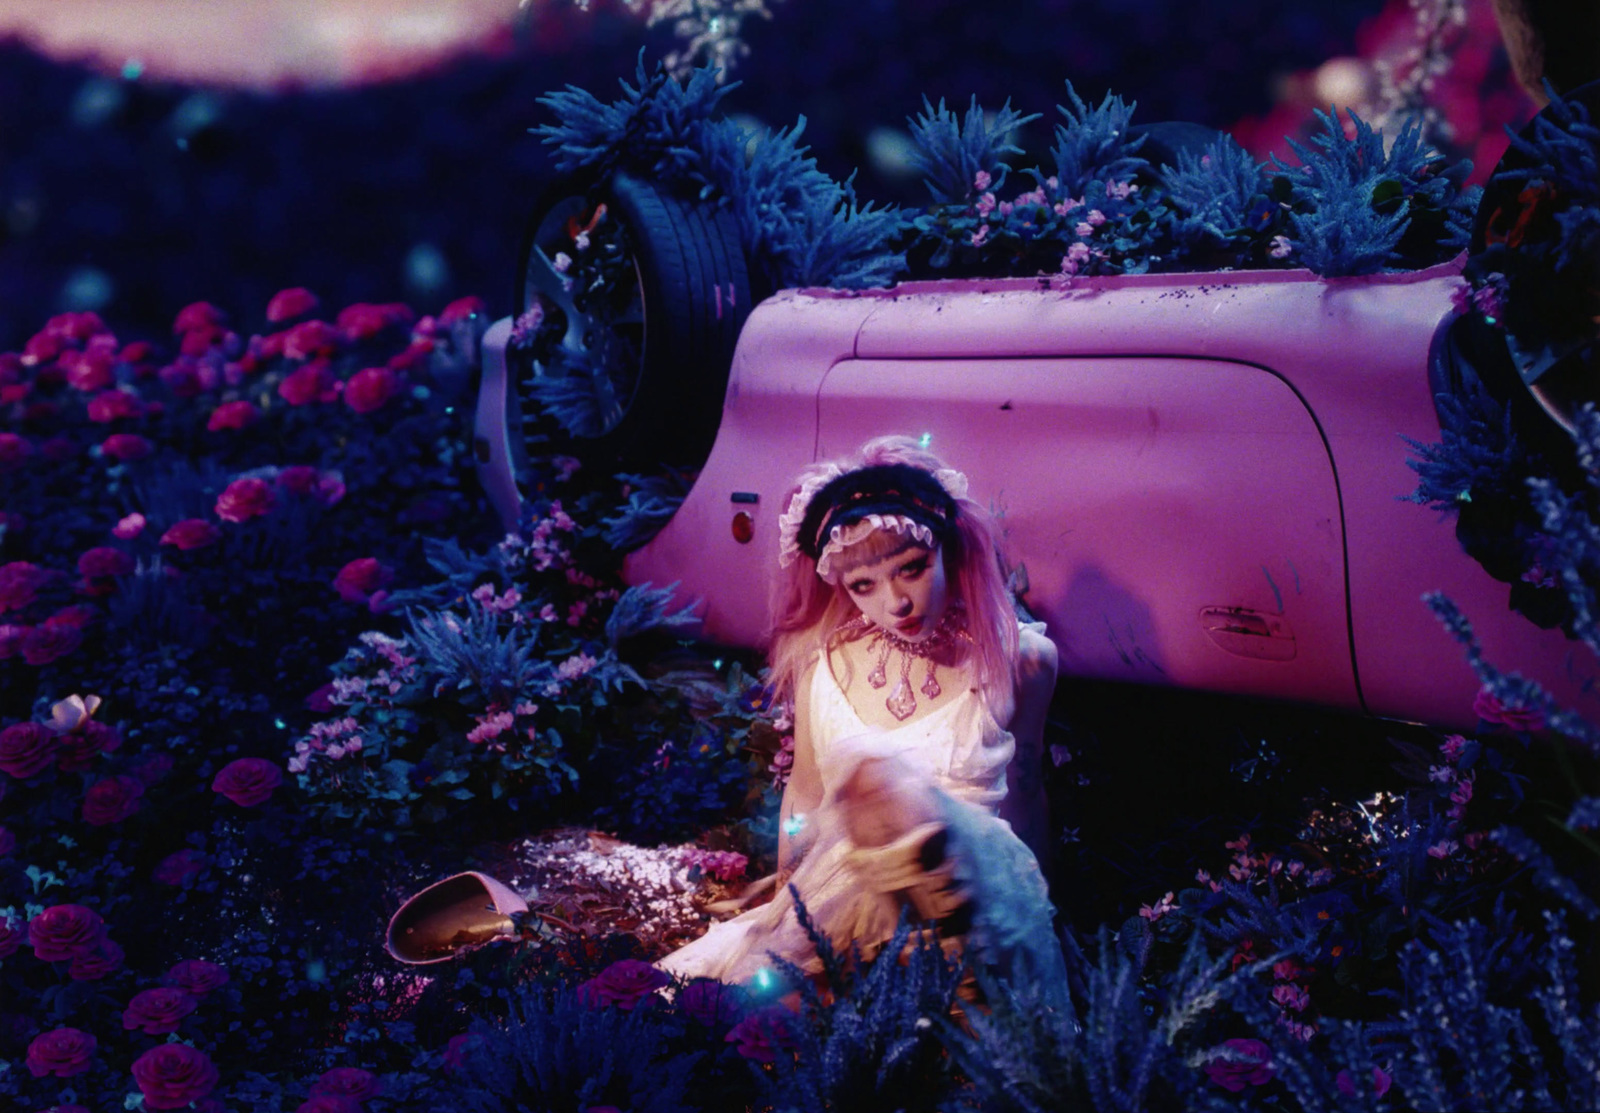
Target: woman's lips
(908, 626)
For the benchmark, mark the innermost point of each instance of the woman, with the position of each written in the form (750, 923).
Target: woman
(919, 709)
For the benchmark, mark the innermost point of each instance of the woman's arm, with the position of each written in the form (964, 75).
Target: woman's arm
(1025, 806)
(803, 793)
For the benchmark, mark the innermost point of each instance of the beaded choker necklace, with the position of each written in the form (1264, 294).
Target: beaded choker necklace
(902, 701)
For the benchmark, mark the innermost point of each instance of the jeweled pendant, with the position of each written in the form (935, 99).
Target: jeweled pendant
(902, 702)
(879, 676)
(930, 686)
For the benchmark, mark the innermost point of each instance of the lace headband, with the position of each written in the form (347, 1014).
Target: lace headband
(900, 497)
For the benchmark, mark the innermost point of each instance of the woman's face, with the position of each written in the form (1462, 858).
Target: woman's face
(905, 593)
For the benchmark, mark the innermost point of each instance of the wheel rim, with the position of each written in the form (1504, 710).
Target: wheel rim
(594, 310)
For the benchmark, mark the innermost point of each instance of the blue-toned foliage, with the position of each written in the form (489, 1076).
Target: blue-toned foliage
(475, 652)
(1479, 452)
(1219, 197)
(554, 1053)
(654, 126)
(651, 503)
(576, 390)
(643, 607)
(1094, 145)
(951, 151)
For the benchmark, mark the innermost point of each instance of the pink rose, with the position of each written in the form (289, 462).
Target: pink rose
(197, 315)
(80, 747)
(88, 371)
(77, 616)
(310, 339)
(27, 749)
(112, 405)
(159, 1011)
(12, 934)
(461, 309)
(763, 1034)
(173, 1075)
(50, 642)
(103, 959)
(19, 584)
(126, 447)
(1491, 710)
(197, 976)
(197, 342)
(111, 800)
(362, 578)
(233, 415)
(711, 1002)
(370, 388)
(244, 499)
(623, 984)
(62, 1052)
(104, 561)
(130, 527)
(288, 304)
(140, 351)
(179, 867)
(298, 479)
(307, 384)
(415, 355)
(65, 931)
(75, 328)
(247, 781)
(363, 321)
(11, 639)
(349, 1082)
(1244, 1063)
(191, 533)
(14, 451)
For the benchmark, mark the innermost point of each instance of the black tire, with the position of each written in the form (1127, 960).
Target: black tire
(663, 333)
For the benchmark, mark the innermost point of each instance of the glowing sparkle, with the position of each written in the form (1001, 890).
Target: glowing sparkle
(793, 824)
(925, 440)
(764, 979)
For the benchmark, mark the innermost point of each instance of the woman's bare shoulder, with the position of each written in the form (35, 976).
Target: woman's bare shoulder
(1037, 658)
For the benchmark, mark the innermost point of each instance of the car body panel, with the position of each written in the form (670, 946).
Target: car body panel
(814, 376)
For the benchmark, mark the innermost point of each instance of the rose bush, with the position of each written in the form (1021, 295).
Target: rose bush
(174, 1075)
(62, 1052)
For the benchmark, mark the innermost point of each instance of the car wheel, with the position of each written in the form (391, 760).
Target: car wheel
(642, 293)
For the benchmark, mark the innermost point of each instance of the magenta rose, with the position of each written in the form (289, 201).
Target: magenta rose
(173, 1075)
(105, 561)
(191, 533)
(763, 1034)
(362, 578)
(461, 309)
(112, 405)
(1242, 1063)
(12, 934)
(348, 1082)
(11, 639)
(180, 866)
(711, 1002)
(126, 447)
(27, 749)
(20, 582)
(244, 499)
(197, 315)
(311, 339)
(329, 1103)
(232, 415)
(370, 388)
(307, 384)
(623, 984)
(197, 976)
(364, 320)
(288, 304)
(50, 642)
(82, 746)
(459, 1049)
(1523, 719)
(14, 451)
(298, 479)
(139, 351)
(88, 371)
(111, 800)
(130, 526)
(62, 1052)
(103, 960)
(64, 932)
(182, 378)
(159, 1011)
(247, 781)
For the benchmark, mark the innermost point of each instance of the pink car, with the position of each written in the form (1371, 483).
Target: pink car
(1201, 477)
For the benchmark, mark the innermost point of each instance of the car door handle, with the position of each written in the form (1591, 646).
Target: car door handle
(1247, 633)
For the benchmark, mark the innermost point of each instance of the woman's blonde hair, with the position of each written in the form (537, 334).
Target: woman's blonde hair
(807, 613)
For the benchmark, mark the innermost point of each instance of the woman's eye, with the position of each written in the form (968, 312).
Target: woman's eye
(914, 569)
(860, 587)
